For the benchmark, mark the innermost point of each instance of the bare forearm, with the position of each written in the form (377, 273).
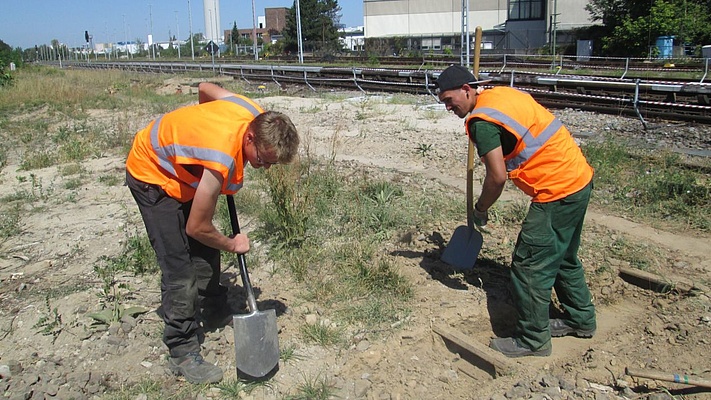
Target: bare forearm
(211, 237)
(209, 91)
(490, 192)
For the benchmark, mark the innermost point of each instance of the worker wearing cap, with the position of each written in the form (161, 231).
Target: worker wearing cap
(518, 139)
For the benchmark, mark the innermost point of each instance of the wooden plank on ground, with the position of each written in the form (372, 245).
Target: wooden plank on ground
(648, 280)
(499, 363)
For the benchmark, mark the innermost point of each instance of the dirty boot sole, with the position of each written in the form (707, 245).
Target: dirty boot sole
(194, 369)
(559, 328)
(510, 348)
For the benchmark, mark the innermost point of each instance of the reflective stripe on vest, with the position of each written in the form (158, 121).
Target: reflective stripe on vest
(166, 153)
(533, 143)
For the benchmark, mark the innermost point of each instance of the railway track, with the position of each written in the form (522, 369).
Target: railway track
(657, 99)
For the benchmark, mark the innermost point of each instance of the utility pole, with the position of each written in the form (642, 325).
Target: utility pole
(177, 26)
(298, 32)
(254, 32)
(190, 19)
(554, 27)
(150, 15)
(125, 38)
(464, 60)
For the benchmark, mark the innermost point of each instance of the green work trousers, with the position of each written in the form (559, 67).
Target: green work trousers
(546, 257)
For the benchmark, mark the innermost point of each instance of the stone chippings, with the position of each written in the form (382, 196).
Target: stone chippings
(70, 373)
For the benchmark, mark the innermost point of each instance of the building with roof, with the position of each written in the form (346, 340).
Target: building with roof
(521, 26)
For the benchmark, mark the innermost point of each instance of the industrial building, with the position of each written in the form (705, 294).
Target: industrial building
(514, 26)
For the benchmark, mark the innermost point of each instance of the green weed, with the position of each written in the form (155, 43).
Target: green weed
(110, 180)
(315, 388)
(112, 294)
(50, 323)
(651, 186)
(71, 169)
(9, 223)
(288, 353)
(38, 159)
(321, 334)
(423, 149)
(74, 183)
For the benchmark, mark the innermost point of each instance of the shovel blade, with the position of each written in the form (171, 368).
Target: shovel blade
(256, 343)
(463, 248)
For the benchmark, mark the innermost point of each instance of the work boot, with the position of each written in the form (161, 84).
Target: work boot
(560, 328)
(195, 369)
(510, 348)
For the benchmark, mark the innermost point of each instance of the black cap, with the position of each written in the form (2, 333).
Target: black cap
(456, 76)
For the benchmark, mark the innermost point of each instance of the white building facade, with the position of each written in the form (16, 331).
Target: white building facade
(520, 25)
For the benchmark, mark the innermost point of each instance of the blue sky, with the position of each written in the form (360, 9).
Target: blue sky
(25, 23)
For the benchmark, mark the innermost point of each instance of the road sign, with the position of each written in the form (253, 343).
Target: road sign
(212, 48)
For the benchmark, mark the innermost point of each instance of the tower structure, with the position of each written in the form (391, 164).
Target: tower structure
(211, 10)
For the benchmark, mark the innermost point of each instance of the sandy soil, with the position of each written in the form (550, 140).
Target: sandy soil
(63, 240)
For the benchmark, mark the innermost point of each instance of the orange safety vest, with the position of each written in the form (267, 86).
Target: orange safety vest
(208, 135)
(546, 163)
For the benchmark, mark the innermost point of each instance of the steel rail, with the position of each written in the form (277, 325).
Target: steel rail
(660, 99)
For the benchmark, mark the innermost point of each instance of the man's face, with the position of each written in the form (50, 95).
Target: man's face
(457, 100)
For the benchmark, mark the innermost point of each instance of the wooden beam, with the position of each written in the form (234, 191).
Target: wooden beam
(499, 363)
(648, 280)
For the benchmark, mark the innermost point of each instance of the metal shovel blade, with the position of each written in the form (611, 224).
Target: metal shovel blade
(256, 342)
(463, 248)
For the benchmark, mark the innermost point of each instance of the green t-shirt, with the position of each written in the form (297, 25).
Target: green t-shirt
(487, 136)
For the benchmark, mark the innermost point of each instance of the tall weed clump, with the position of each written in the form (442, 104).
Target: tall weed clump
(327, 227)
(652, 186)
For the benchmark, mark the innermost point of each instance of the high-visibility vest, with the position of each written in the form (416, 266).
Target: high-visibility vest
(546, 163)
(208, 135)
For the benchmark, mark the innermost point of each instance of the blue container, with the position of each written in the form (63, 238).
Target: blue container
(665, 45)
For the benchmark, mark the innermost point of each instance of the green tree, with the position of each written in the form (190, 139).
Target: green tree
(319, 26)
(234, 34)
(9, 55)
(631, 27)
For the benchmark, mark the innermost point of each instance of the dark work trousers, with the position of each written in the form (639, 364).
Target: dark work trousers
(546, 257)
(189, 269)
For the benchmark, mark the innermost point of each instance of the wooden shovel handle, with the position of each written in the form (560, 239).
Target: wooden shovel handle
(477, 50)
(470, 150)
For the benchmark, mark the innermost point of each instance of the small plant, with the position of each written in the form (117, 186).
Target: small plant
(50, 324)
(74, 183)
(316, 388)
(235, 388)
(71, 169)
(112, 293)
(9, 223)
(110, 180)
(38, 159)
(38, 191)
(288, 353)
(322, 334)
(423, 149)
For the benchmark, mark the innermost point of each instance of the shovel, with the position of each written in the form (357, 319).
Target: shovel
(463, 248)
(256, 339)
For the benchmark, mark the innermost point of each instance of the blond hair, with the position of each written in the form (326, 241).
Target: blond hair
(274, 130)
